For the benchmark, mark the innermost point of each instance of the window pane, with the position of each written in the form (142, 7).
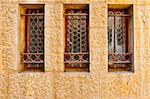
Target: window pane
(84, 33)
(118, 35)
(111, 34)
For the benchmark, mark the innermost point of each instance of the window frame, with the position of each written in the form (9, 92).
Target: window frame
(124, 64)
(80, 54)
(26, 56)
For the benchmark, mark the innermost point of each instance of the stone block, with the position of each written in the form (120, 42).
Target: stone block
(98, 63)
(53, 54)
(3, 85)
(98, 38)
(53, 16)
(123, 85)
(120, 1)
(8, 37)
(76, 1)
(79, 84)
(9, 58)
(31, 85)
(10, 15)
(98, 15)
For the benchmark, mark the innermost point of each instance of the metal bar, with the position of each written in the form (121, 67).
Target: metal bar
(127, 45)
(39, 14)
(78, 53)
(80, 35)
(76, 14)
(122, 62)
(29, 23)
(66, 28)
(32, 53)
(75, 67)
(87, 32)
(28, 34)
(37, 31)
(115, 35)
(131, 35)
(120, 53)
(122, 38)
(72, 34)
(87, 39)
(80, 38)
(76, 62)
(120, 66)
(120, 15)
(43, 37)
(35, 62)
(72, 20)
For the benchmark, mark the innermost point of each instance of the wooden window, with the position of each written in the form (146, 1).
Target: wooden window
(120, 40)
(76, 55)
(33, 55)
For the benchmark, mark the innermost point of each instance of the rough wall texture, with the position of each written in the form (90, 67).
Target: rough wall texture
(54, 83)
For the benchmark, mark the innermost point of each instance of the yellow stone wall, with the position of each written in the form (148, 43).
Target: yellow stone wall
(54, 83)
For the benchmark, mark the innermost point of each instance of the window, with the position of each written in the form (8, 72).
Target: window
(33, 52)
(120, 39)
(76, 55)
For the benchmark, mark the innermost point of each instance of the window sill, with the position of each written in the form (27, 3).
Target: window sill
(121, 72)
(77, 73)
(32, 71)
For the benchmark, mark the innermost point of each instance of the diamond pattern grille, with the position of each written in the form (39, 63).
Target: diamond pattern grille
(33, 56)
(76, 53)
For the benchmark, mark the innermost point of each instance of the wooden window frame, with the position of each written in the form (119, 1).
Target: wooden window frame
(32, 60)
(83, 64)
(125, 63)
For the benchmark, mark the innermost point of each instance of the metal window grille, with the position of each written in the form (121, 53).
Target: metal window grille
(76, 48)
(33, 56)
(119, 39)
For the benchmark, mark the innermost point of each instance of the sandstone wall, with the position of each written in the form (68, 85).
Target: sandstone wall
(56, 84)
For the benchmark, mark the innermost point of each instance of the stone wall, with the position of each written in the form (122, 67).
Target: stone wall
(54, 83)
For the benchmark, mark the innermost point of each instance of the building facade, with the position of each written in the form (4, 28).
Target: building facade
(74, 49)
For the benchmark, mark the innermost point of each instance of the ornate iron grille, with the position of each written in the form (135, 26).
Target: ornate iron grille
(33, 56)
(76, 50)
(119, 43)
